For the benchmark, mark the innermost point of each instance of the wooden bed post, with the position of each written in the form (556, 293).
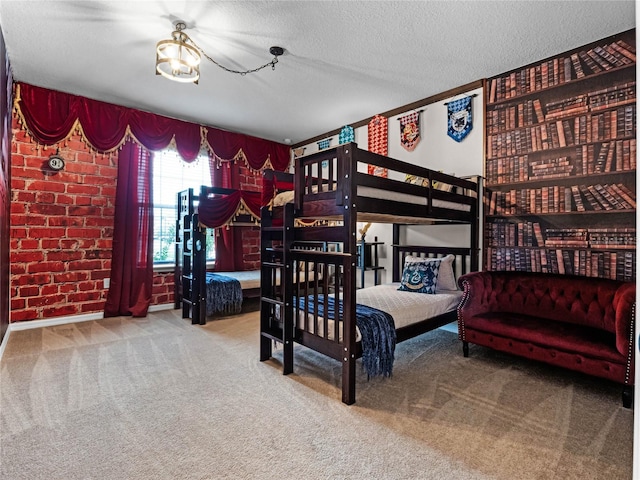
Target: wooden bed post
(396, 262)
(286, 280)
(474, 243)
(348, 162)
(265, 285)
(198, 247)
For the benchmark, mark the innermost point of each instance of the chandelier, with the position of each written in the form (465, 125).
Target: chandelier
(179, 58)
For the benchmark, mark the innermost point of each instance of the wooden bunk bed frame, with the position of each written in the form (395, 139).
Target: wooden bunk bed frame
(190, 268)
(327, 188)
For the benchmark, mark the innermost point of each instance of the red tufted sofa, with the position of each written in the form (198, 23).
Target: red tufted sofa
(584, 324)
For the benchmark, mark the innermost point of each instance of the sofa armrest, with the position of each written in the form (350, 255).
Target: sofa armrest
(624, 306)
(477, 289)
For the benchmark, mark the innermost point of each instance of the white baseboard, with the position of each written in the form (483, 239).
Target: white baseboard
(75, 318)
(5, 340)
(51, 322)
(161, 307)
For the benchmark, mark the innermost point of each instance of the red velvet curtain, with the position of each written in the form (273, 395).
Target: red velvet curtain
(258, 152)
(216, 212)
(51, 117)
(229, 255)
(132, 258)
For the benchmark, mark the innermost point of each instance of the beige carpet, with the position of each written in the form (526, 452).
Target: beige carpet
(159, 398)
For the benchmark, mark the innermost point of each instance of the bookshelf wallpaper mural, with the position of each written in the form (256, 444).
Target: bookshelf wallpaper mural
(561, 163)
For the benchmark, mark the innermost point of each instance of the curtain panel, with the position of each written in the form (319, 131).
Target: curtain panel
(132, 258)
(229, 251)
(51, 117)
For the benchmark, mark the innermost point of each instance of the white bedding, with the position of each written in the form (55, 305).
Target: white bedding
(248, 279)
(407, 198)
(251, 278)
(406, 308)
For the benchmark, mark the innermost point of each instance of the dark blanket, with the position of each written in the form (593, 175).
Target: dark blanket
(377, 330)
(223, 295)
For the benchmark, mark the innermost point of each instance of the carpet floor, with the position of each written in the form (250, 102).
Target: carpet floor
(159, 398)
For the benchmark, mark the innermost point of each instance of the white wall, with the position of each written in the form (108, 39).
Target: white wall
(436, 151)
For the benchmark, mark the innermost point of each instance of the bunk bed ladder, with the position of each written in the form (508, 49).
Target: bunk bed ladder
(187, 267)
(199, 273)
(276, 295)
(183, 223)
(183, 270)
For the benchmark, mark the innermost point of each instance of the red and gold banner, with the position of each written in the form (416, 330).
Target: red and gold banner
(378, 138)
(410, 131)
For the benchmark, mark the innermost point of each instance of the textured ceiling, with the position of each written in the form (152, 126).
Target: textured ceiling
(344, 62)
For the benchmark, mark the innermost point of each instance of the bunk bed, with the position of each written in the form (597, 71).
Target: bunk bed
(203, 293)
(332, 192)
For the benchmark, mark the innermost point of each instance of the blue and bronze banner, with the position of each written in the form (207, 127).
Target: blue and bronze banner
(324, 144)
(347, 135)
(459, 118)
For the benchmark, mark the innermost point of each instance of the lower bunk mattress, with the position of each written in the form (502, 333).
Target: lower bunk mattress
(380, 311)
(224, 290)
(406, 308)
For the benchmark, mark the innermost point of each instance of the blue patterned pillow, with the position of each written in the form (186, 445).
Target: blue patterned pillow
(419, 277)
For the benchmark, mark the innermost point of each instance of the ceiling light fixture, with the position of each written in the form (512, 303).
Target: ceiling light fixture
(179, 58)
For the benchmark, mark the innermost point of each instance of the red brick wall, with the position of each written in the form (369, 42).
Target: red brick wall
(163, 285)
(251, 248)
(62, 230)
(250, 181)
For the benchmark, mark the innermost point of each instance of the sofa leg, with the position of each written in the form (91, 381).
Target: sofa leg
(465, 348)
(627, 396)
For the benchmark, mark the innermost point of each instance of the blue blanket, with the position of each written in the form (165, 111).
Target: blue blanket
(377, 330)
(223, 295)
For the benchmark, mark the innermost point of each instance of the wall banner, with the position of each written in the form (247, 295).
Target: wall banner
(324, 144)
(410, 131)
(378, 137)
(459, 118)
(347, 135)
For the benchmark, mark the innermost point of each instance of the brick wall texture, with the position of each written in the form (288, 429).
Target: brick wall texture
(62, 230)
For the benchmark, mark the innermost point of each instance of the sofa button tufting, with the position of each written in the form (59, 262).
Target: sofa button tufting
(578, 360)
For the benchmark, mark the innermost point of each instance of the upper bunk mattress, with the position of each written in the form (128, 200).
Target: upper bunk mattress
(368, 192)
(287, 197)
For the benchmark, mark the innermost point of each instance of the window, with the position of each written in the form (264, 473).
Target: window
(172, 175)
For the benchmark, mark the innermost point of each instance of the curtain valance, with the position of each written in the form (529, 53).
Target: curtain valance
(51, 117)
(221, 210)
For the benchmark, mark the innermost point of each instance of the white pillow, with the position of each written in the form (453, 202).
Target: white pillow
(446, 275)
(287, 196)
(283, 198)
